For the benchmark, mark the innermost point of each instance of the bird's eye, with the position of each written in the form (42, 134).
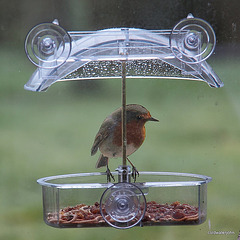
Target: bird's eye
(139, 117)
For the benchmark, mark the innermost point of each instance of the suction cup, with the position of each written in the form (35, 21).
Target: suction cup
(123, 205)
(192, 40)
(48, 45)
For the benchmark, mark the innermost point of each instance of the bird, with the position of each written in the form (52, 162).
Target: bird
(109, 137)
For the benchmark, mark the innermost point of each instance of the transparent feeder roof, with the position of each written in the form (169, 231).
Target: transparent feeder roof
(179, 53)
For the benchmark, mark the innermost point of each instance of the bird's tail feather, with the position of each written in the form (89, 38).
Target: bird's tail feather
(102, 161)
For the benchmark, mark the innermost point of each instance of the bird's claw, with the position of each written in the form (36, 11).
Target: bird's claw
(109, 175)
(135, 173)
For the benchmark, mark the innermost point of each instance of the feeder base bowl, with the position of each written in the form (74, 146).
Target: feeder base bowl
(73, 200)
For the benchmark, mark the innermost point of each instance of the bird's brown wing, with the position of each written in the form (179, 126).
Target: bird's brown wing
(102, 134)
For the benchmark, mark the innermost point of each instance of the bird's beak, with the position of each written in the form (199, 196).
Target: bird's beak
(153, 119)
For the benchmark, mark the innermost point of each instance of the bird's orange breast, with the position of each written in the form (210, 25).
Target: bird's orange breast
(135, 134)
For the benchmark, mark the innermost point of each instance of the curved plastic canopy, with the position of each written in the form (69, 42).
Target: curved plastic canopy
(179, 53)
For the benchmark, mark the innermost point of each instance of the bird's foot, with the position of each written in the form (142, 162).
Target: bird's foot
(135, 173)
(109, 175)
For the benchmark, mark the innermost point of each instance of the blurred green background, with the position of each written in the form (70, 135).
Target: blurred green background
(44, 134)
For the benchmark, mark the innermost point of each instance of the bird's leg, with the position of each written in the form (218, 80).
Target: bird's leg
(109, 175)
(135, 172)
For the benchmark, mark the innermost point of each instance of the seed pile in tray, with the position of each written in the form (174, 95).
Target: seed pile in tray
(83, 215)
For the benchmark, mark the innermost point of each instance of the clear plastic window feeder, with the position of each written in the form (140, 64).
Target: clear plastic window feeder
(156, 198)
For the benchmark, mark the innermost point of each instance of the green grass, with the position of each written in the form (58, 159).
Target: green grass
(43, 134)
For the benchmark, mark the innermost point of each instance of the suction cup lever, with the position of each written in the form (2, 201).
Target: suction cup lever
(48, 45)
(123, 205)
(192, 40)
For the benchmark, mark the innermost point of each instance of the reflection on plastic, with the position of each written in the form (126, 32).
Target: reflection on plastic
(179, 53)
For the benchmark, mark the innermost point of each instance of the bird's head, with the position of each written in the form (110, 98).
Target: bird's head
(137, 112)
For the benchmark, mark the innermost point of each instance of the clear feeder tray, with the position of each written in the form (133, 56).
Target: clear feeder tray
(157, 198)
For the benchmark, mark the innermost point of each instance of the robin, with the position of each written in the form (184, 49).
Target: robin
(109, 137)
